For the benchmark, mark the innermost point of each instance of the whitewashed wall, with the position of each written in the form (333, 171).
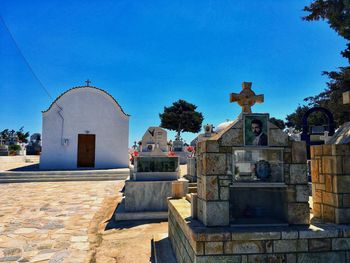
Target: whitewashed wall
(85, 110)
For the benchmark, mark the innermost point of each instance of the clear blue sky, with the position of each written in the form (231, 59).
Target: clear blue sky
(148, 54)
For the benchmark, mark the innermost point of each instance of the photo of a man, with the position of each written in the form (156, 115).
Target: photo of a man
(260, 137)
(256, 130)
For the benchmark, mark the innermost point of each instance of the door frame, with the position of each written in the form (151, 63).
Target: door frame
(80, 162)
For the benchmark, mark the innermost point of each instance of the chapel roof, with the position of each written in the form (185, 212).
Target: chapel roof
(81, 87)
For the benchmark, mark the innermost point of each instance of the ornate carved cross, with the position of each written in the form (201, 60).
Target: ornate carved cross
(246, 98)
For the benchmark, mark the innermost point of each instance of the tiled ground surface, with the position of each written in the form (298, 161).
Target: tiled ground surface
(49, 222)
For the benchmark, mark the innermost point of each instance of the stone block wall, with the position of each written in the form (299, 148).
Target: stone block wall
(214, 175)
(330, 172)
(192, 242)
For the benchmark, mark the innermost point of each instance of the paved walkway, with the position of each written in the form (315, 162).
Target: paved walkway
(50, 222)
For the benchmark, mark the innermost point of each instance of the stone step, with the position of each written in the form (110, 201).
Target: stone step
(192, 184)
(121, 215)
(162, 251)
(25, 178)
(192, 190)
(65, 172)
(60, 179)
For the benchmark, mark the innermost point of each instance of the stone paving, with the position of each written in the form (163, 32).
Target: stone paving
(49, 222)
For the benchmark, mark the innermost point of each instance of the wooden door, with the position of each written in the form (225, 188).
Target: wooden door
(86, 150)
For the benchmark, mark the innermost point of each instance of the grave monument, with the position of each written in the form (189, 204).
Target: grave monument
(150, 183)
(3, 147)
(252, 200)
(154, 137)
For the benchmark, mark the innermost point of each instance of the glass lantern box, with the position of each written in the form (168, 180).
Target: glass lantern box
(257, 165)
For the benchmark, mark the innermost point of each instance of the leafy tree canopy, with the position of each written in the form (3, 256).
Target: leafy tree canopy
(316, 118)
(181, 117)
(278, 122)
(9, 135)
(337, 15)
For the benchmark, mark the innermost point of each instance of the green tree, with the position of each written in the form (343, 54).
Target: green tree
(337, 15)
(315, 118)
(181, 117)
(8, 135)
(22, 136)
(278, 122)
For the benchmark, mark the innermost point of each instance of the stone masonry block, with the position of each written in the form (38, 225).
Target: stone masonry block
(327, 149)
(329, 182)
(342, 215)
(212, 146)
(330, 199)
(341, 184)
(317, 149)
(287, 157)
(225, 149)
(247, 247)
(298, 174)
(340, 149)
(328, 213)
(314, 170)
(200, 160)
(216, 213)
(312, 152)
(256, 235)
(233, 137)
(218, 259)
(285, 246)
(321, 179)
(332, 164)
(215, 163)
(291, 194)
(298, 213)
(224, 193)
(341, 244)
(346, 200)
(299, 152)
(214, 248)
(317, 196)
(302, 193)
(211, 187)
(277, 137)
(201, 147)
(321, 257)
(317, 210)
(320, 244)
(200, 209)
(216, 236)
(346, 164)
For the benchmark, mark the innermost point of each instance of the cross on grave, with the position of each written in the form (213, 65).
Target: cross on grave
(87, 82)
(325, 137)
(246, 98)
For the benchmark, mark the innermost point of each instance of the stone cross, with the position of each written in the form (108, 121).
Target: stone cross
(325, 137)
(87, 82)
(246, 98)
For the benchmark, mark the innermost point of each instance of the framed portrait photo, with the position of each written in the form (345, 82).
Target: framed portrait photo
(256, 129)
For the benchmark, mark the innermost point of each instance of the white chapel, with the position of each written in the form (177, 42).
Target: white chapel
(84, 127)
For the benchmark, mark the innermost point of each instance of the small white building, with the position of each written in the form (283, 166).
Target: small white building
(84, 127)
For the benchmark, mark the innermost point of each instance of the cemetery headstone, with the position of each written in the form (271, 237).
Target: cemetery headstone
(154, 137)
